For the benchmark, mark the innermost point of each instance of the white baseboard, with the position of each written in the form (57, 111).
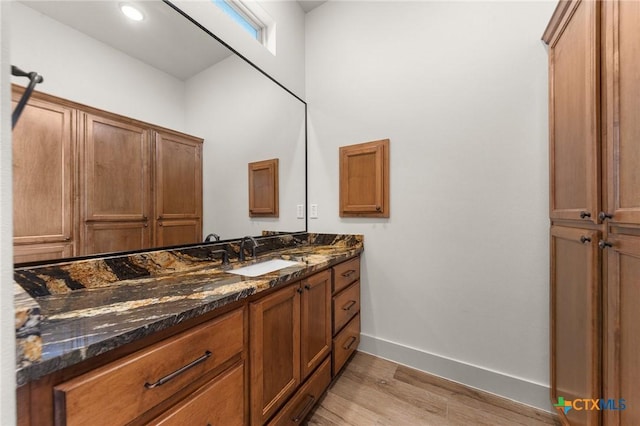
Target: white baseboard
(509, 387)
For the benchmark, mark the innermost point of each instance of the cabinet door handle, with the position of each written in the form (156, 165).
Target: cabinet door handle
(584, 215)
(179, 371)
(349, 305)
(352, 340)
(307, 287)
(348, 273)
(584, 239)
(307, 406)
(604, 215)
(604, 244)
(299, 290)
(378, 208)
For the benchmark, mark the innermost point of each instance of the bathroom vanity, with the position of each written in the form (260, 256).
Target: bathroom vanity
(171, 337)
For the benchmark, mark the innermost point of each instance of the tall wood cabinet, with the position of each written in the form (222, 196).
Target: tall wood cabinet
(595, 207)
(43, 179)
(178, 188)
(88, 181)
(115, 182)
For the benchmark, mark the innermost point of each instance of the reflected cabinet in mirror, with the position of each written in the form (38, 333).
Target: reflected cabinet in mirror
(141, 133)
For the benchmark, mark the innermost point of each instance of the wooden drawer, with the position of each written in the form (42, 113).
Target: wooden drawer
(345, 343)
(299, 406)
(345, 273)
(119, 392)
(219, 402)
(346, 305)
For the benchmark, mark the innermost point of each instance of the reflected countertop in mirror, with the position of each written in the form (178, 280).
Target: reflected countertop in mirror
(167, 71)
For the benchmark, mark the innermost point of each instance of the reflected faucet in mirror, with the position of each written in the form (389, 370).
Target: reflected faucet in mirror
(212, 237)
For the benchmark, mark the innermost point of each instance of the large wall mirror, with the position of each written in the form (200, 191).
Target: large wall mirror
(168, 71)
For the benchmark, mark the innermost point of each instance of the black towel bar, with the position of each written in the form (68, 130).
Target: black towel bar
(34, 78)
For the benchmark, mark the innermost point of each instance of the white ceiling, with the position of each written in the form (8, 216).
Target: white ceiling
(309, 5)
(158, 41)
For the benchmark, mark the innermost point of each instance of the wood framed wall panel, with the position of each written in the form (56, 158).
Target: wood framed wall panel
(364, 179)
(264, 188)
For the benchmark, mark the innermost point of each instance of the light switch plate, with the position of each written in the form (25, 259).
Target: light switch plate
(313, 214)
(300, 211)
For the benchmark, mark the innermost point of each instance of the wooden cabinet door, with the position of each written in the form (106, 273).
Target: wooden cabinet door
(178, 189)
(264, 188)
(275, 351)
(315, 329)
(115, 180)
(575, 319)
(178, 176)
(178, 232)
(108, 237)
(364, 179)
(573, 115)
(116, 175)
(43, 172)
(622, 324)
(622, 61)
(37, 252)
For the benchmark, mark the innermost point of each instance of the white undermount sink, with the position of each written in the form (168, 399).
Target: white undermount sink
(262, 268)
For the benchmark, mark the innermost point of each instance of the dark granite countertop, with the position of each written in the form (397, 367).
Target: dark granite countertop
(89, 307)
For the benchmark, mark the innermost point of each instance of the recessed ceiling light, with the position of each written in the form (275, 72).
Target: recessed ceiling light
(131, 12)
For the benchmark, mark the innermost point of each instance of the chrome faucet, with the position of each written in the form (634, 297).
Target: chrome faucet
(225, 255)
(253, 249)
(210, 236)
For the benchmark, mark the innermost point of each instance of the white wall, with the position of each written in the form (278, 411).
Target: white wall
(287, 65)
(456, 280)
(84, 70)
(7, 318)
(244, 117)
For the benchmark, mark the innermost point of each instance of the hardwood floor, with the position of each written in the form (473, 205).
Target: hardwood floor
(374, 391)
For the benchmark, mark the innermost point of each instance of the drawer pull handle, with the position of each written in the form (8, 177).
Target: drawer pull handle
(179, 371)
(349, 305)
(303, 413)
(348, 273)
(352, 340)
